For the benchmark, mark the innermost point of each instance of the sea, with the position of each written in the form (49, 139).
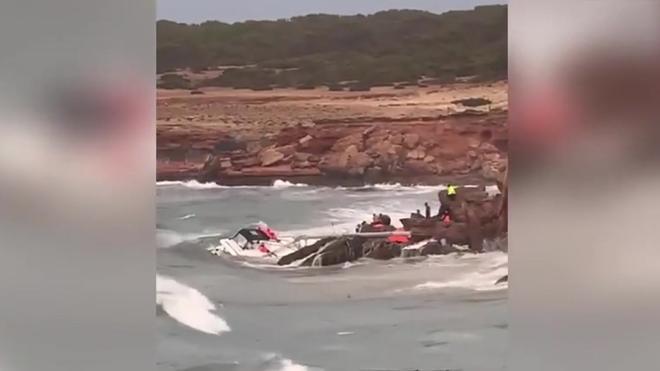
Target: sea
(226, 314)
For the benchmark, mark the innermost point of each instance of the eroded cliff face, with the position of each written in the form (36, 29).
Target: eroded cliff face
(317, 137)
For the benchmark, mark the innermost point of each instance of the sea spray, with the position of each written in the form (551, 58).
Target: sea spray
(489, 268)
(286, 184)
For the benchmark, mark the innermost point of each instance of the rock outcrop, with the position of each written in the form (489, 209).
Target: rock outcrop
(269, 157)
(477, 221)
(347, 153)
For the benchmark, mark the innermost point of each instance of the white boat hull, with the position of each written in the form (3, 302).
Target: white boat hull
(273, 250)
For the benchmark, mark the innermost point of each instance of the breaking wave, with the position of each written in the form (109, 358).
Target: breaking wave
(188, 306)
(286, 184)
(399, 187)
(490, 268)
(275, 362)
(192, 184)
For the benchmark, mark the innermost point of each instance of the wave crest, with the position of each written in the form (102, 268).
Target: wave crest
(188, 306)
(279, 183)
(192, 184)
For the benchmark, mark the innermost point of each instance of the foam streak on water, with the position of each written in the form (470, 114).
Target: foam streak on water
(286, 184)
(482, 277)
(275, 362)
(188, 306)
(192, 184)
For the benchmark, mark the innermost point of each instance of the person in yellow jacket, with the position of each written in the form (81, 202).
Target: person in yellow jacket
(451, 191)
(445, 212)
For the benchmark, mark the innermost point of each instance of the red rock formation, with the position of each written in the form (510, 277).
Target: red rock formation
(360, 147)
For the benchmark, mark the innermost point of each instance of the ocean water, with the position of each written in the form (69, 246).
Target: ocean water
(215, 313)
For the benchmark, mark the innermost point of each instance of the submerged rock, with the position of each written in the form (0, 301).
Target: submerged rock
(381, 249)
(305, 251)
(436, 248)
(331, 253)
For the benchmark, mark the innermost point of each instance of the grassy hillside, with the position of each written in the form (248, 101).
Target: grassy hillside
(320, 49)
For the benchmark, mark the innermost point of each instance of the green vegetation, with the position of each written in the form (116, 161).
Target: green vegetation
(379, 49)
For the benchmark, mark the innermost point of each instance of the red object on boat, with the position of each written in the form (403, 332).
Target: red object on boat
(268, 232)
(398, 238)
(264, 249)
(271, 234)
(446, 219)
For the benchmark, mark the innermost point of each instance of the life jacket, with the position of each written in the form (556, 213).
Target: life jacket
(271, 234)
(268, 232)
(400, 238)
(264, 249)
(446, 219)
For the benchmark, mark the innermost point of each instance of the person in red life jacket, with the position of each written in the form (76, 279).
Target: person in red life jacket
(271, 234)
(445, 217)
(399, 238)
(264, 249)
(268, 232)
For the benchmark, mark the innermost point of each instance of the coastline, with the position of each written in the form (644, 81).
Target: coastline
(329, 181)
(317, 137)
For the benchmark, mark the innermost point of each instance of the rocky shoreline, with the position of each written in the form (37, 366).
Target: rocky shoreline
(421, 136)
(477, 224)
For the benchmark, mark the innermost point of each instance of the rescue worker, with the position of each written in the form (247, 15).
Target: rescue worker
(451, 191)
(427, 208)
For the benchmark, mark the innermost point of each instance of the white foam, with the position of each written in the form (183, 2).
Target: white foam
(187, 216)
(345, 333)
(399, 187)
(321, 231)
(477, 281)
(278, 363)
(288, 365)
(347, 265)
(188, 306)
(477, 272)
(387, 186)
(266, 266)
(192, 184)
(286, 184)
